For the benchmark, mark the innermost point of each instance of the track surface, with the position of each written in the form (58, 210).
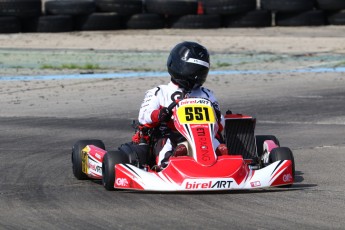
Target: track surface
(38, 190)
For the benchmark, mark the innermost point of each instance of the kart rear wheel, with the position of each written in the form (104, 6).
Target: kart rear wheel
(283, 153)
(77, 156)
(136, 154)
(111, 158)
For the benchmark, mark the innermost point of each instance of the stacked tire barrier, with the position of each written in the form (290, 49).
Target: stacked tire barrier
(90, 15)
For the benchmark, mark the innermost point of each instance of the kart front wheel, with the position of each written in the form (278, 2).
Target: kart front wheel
(111, 158)
(77, 156)
(282, 153)
(260, 139)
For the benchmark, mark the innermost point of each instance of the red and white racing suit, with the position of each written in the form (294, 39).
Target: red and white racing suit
(163, 96)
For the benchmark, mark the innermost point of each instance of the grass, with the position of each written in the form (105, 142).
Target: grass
(222, 64)
(17, 67)
(339, 64)
(87, 66)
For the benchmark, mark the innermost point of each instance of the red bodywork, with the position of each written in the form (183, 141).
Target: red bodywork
(202, 169)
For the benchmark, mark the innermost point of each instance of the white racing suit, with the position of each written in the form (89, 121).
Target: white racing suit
(163, 96)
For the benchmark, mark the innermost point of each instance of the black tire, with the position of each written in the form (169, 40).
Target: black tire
(137, 155)
(260, 139)
(9, 25)
(336, 18)
(195, 22)
(172, 7)
(226, 7)
(309, 18)
(20, 8)
(146, 21)
(99, 21)
(330, 4)
(111, 158)
(256, 18)
(49, 24)
(283, 153)
(67, 7)
(122, 7)
(77, 156)
(55, 23)
(287, 5)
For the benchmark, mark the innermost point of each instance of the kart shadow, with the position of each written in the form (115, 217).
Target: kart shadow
(298, 176)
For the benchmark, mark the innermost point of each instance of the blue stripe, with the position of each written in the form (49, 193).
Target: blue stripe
(165, 74)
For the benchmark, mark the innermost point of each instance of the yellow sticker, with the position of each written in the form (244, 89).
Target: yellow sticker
(195, 114)
(84, 160)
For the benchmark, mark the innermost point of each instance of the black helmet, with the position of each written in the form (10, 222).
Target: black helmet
(188, 65)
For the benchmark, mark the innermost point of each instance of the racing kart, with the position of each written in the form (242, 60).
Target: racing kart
(253, 161)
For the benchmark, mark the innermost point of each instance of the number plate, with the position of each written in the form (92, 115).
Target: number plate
(195, 114)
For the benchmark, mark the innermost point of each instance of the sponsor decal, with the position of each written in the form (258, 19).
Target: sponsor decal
(206, 155)
(196, 61)
(207, 184)
(98, 156)
(186, 102)
(121, 182)
(95, 168)
(191, 101)
(287, 177)
(255, 184)
(203, 144)
(200, 132)
(205, 102)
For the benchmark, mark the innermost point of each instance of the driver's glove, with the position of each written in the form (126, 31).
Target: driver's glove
(164, 115)
(161, 115)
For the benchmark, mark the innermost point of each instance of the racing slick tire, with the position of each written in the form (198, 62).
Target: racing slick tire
(111, 158)
(77, 156)
(260, 139)
(282, 153)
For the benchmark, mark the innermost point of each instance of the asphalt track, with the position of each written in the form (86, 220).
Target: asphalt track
(38, 190)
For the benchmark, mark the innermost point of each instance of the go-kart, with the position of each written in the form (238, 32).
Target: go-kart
(253, 161)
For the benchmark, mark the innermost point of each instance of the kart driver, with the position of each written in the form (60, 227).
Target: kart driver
(188, 65)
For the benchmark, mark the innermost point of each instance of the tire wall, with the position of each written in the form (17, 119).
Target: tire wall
(78, 15)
